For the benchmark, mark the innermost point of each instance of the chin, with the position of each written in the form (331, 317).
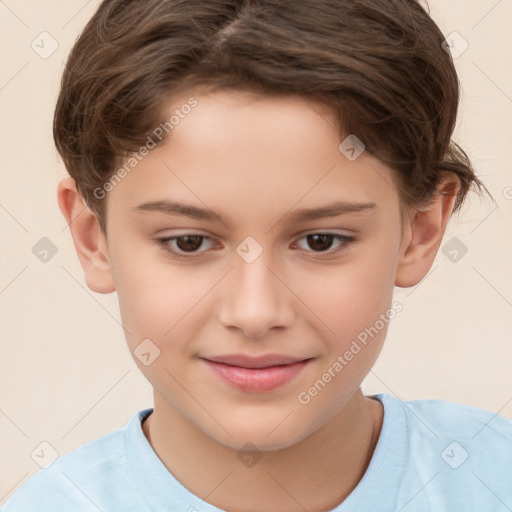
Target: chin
(243, 441)
(267, 434)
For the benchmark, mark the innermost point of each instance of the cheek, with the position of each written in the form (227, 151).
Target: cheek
(350, 296)
(355, 303)
(162, 302)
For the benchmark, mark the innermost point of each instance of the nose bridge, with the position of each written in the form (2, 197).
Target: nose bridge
(256, 299)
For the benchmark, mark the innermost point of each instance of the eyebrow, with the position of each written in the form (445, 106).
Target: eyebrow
(302, 215)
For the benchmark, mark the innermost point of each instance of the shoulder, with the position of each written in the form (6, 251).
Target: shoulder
(450, 418)
(82, 479)
(428, 421)
(463, 453)
(461, 431)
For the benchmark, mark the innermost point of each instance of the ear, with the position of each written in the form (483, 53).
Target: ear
(423, 233)
(90, 242)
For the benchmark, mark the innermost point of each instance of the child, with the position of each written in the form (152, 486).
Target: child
(258, 129)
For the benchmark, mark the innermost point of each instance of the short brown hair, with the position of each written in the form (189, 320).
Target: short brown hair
(379, 63)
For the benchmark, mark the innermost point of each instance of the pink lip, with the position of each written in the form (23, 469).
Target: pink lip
(256, 374)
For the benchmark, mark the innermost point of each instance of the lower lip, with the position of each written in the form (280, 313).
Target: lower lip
(257, 380)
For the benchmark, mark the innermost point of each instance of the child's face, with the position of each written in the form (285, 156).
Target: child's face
(255, 161)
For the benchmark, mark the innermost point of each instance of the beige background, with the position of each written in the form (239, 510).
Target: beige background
(66, 376)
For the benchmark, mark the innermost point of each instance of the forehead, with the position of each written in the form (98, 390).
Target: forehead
(259, 152)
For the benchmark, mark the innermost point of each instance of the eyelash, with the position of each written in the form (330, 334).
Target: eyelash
(164, 244)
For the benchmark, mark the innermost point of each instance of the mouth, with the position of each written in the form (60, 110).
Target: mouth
(256, 374)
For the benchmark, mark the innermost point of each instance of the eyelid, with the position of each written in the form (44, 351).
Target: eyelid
(164, 243)
(346, 240)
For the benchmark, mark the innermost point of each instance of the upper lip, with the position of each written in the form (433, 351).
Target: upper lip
(254, 362)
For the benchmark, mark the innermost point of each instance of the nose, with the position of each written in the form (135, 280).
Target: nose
(257, 299)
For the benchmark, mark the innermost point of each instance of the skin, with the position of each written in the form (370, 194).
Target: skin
(253, 160)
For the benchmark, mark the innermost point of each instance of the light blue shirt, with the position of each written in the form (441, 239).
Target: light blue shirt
(431, 456)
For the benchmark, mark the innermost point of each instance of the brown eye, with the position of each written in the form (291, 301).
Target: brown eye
(189, 242)
(185, 246)
(320, 242)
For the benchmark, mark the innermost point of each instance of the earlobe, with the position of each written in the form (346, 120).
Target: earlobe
(424, 233)
(89, 241)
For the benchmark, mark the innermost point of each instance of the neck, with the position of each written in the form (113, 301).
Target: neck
(317, 473)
